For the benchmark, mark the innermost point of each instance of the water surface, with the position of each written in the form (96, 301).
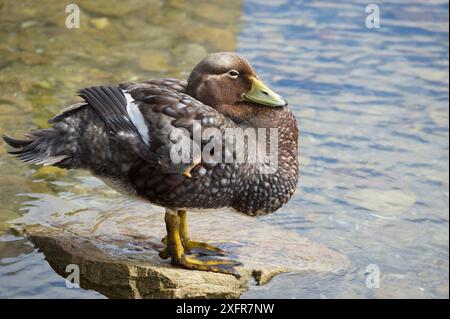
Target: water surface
(372, 108)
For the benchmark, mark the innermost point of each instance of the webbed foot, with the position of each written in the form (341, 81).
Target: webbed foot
(218, 265)
(179, 246)
(197, 247)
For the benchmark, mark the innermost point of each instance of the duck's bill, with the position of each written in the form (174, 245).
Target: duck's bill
(261, 94)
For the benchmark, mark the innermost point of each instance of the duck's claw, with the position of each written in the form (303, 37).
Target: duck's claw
(196, 247)
(219, 266)
(187, 171)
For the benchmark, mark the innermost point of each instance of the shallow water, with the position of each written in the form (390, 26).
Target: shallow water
(372, 107)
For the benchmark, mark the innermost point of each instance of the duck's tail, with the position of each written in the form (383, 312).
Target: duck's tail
(41, 147)
(58, 146)
(79, 138)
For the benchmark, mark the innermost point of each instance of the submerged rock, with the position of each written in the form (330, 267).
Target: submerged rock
(117, 251)
(189, 54)
(100, 23)
(383, 202)
(154, 61)
(116, 8)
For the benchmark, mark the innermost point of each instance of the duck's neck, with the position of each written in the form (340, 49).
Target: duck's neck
(266, 190)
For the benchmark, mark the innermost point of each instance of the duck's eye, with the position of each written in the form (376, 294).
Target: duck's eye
(233, 74)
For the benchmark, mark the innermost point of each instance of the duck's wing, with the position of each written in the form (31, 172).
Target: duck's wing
(157, 121)
(177, 122)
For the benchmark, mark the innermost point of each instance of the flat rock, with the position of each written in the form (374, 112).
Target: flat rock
(117, 250)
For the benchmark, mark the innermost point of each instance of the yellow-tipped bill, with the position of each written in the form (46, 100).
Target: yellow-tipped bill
(261, 94)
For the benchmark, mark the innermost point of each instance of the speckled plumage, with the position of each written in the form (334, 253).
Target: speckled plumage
(97, 135)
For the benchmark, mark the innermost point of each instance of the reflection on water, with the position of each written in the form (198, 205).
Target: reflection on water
(372, 106)
(25, 274)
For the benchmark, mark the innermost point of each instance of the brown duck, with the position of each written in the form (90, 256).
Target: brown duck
(126, 135)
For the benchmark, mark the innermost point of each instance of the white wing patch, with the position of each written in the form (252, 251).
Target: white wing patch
(136, 117)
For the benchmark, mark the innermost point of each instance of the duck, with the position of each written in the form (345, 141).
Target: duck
(174, 143)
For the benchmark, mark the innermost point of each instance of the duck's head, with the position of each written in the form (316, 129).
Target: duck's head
(227, 78)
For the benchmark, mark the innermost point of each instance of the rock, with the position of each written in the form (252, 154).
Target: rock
(114, 8)
(50, 173)
(100, 23)
(131, 277)
(154, 61)
(30, 58)
(218, 39)
(8, 57)
(399, 286)
(438, 115)
(43, 84)
(442, 290)
(189, 54)
(382, 202)
(215, 12)
(29, 23)
(25, 86)
(116, 249)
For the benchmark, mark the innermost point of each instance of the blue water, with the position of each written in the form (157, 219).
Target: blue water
(372, 109)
